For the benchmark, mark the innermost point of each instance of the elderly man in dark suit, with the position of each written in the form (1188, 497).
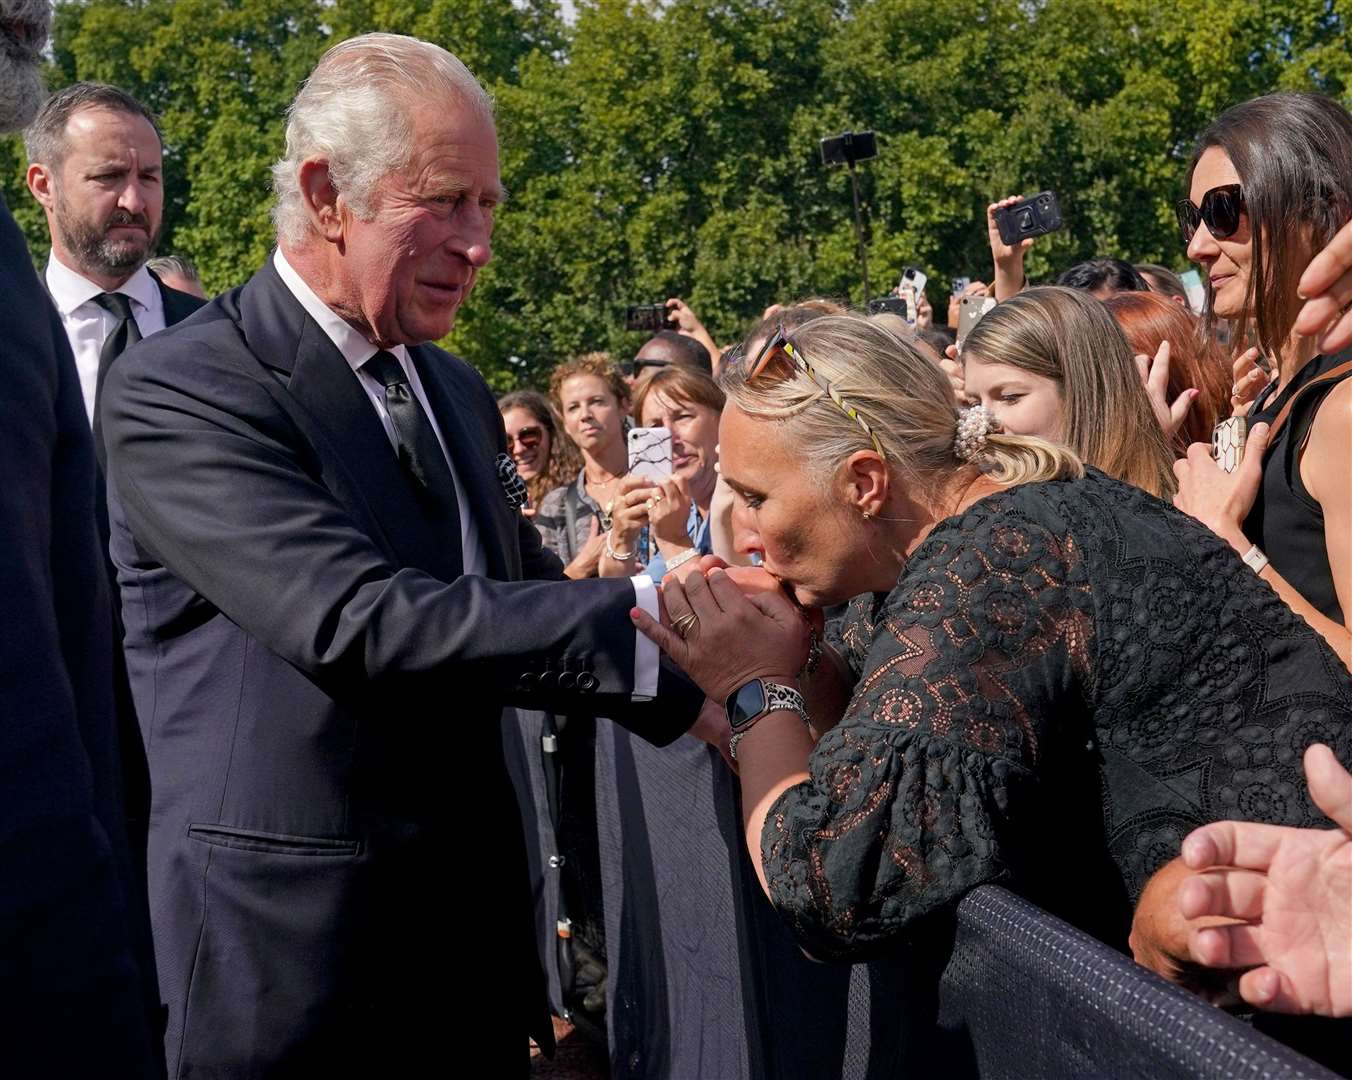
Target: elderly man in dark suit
(324, 576)
(69, 998)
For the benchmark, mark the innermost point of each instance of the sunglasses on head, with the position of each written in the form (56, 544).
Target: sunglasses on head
(778, 347)
(1221, 210)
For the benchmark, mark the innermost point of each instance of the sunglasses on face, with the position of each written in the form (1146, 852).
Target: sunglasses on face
(779, 347)
(527, 437)
(1221, 210)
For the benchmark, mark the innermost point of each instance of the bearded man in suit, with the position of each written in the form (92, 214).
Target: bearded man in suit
(330, 594)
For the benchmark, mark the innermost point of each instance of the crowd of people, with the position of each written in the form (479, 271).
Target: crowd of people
(951, 614)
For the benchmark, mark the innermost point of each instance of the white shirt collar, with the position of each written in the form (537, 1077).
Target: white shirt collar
(348, 339)
(69, 290)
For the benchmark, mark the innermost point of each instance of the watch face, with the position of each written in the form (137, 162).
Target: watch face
(747, 704)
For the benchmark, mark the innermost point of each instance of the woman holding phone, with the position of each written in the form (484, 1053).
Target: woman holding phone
(677, 511)
(1269, 185)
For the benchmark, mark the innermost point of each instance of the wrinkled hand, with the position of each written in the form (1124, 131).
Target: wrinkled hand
(1326, 286)
(734, 638)
(1220, 500)
(974, 288)
(1247, 381)
(685, 320)
(1154, 374)
(1293, 890)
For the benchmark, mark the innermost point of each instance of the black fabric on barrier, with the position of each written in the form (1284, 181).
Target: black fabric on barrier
(1039, 998)
(706, 981)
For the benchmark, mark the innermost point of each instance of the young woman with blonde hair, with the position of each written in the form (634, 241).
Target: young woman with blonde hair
(1051, 362)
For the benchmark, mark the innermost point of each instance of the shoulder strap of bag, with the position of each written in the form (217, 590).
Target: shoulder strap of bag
(1332, 375)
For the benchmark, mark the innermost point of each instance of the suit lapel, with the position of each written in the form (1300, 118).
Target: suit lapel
(177, 305)
(357, 458)
(473, 446)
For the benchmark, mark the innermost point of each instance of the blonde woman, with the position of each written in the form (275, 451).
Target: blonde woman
(1052, 362)
(1040, 663)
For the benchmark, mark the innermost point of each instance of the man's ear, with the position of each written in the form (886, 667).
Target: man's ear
(323, 205)
(42, 183)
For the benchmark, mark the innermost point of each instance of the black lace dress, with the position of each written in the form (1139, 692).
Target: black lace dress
(1066, 680)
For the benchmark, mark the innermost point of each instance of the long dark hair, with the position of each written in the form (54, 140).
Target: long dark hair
(1293, 154)
(564, 459)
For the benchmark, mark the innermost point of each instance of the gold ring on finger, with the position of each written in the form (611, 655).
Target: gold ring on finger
(684, 624)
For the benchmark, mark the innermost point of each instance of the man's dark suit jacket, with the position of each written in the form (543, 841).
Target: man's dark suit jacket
(337, 871)
(69, 970)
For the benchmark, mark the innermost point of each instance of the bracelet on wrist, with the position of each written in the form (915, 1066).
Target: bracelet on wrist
(619, 556)
(683, 558)
(1255, 559)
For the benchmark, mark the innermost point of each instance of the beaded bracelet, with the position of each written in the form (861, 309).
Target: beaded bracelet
(619, 556)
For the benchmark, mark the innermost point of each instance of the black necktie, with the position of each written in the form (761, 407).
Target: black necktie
(419, 451)
(125, 334)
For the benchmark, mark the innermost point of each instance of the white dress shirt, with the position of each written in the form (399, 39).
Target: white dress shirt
(356, 350)
(88, 325)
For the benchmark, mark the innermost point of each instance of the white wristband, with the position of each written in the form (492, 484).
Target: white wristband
(1255, 559)
(683, 558)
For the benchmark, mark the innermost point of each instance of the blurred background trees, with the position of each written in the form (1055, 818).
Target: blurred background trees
(661, 149)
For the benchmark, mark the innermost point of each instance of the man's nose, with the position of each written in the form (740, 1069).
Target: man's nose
(472, 236)
(132, 199)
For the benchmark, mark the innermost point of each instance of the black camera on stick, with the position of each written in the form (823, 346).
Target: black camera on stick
(849, 147)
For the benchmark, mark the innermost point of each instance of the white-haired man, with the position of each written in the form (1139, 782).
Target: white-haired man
(323, 564)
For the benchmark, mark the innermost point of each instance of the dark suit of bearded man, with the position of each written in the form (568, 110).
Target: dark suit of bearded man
(321, 634)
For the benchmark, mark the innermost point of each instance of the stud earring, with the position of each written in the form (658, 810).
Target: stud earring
(867, 515)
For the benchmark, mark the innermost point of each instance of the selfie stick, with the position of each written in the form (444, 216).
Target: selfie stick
(859, 229)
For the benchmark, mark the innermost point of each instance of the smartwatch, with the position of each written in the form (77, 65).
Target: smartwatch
(756, 699)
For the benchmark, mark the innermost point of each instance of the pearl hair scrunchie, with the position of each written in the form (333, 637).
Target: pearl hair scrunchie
(974, 424)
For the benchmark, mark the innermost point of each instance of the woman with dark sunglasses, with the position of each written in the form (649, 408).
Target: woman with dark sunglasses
(1269, 185)
(1047, 677)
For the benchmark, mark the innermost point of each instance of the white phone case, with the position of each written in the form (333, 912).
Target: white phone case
(650, 452)
(1227, 442)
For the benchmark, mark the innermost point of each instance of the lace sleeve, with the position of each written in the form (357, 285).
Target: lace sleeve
(915, 795)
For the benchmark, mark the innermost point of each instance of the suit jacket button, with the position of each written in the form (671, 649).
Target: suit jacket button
(528, 680)
(586, 681)
(549, 680)
(567, 680)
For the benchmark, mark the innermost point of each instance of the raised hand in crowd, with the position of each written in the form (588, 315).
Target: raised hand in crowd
(1249, 380)
(1291, 889)
(1326, 287)
(924, 312)
(688, 323)
(1009, 276)
(1155, 378)
(668, 515)
(974, 288)
(628, 516)
(952, 367)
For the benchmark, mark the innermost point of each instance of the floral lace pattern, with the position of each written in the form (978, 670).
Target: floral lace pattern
(1073, 621)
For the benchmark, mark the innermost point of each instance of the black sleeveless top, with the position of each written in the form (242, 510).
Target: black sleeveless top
(1286, 522)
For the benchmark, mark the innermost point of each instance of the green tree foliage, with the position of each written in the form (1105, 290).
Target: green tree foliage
(658, 149)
